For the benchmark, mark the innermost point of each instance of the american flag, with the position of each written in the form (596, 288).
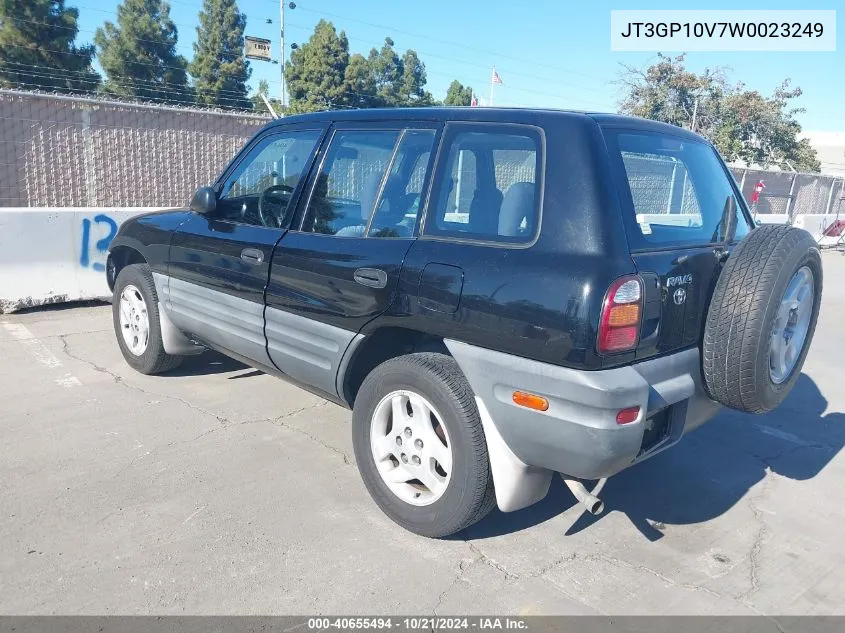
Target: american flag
(474, 101)
(495, 79)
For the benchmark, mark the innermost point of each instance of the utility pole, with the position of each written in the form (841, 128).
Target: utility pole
(282, 50)
(694, 116)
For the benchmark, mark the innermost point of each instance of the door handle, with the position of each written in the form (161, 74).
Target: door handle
(370, 277)
(252, 256)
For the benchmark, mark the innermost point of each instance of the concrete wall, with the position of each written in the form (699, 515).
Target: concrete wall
(55, 255)
(59, 254)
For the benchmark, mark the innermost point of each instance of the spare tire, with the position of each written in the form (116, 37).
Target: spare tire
(762, 318)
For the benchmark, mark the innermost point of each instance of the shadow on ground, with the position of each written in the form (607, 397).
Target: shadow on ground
(709, 471)
(210, 362)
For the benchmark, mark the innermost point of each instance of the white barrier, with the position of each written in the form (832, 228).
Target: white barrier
(772, 218)
(52, 255)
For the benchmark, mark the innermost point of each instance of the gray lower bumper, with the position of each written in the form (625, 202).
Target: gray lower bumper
(578, 435)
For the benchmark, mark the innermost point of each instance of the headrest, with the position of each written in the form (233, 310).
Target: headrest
(369, 191)
(517, 204)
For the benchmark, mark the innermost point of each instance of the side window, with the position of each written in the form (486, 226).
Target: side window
(399, 203)
(349, 182)
(259, 190)
(489, 185)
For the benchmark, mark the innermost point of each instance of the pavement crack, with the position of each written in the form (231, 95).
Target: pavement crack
(463, 566)
(486, 560)
(644, 568)
(224, 421)
(280, 422)
(119, 380)
(757, 545)
(550, 566)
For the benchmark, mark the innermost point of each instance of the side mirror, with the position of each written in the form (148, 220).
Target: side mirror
(204, 201)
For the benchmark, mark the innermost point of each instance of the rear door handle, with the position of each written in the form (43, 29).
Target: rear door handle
(252, 256)
(370, 277)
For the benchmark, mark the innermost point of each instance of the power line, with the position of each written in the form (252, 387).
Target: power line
(496, 54)
(87, 93)
(118, 80)
(411, 33)
(50, 50)
(525, 90)
(428, 54)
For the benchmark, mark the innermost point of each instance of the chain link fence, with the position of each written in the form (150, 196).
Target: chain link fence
(59, 151)
(792, 194)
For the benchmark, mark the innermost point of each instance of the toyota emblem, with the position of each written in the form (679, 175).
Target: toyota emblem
(680, 296)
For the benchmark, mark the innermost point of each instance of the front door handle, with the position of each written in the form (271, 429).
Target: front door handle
(370, 277)
(252, 256)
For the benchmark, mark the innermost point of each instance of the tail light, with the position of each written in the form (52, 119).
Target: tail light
(621, 315)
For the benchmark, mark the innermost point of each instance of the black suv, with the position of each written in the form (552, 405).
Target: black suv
(498, 294)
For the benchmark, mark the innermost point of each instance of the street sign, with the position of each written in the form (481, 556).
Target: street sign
(257, 48)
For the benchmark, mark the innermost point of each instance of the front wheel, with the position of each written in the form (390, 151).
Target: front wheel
(136, 321)
(420, 446)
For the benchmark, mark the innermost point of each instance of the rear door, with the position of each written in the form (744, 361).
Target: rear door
(219, 265)
(683, 214)
(340, 267)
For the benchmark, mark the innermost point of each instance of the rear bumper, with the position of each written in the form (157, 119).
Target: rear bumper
(578, 434)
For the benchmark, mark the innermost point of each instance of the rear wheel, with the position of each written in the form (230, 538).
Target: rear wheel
(136, 321)
(762, 318)
(420, 446)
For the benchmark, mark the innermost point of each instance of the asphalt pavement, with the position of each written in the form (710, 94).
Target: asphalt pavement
(220, 490)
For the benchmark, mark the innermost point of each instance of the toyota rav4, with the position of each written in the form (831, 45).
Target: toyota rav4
(498, 295)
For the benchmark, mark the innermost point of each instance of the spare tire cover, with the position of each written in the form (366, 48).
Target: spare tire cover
(762, 318)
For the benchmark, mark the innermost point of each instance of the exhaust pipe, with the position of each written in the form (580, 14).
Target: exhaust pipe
(587, 498)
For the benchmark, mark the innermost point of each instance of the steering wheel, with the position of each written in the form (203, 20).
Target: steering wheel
(270, 198)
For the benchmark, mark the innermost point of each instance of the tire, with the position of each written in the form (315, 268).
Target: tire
(742, 369)
(435, 380)
(152, 359)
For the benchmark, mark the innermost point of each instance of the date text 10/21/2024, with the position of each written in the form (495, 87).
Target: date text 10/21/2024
(417, 623)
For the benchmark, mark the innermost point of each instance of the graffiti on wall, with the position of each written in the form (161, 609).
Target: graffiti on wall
(91, 254)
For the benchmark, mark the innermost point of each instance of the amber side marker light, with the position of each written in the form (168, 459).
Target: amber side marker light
(531, 401)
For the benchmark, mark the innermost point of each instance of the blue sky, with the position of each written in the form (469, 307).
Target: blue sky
(553, 53)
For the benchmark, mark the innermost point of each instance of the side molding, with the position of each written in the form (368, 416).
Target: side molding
(517, 484)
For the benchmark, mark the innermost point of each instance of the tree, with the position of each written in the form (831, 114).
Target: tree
(666, 91)
(316, 72)
(37, 49)
(744, 125)
(219, 68)
(258, 103)
(139, 54)
(412, 90)
(387, 73)
(458, 94)
(360, 83)
(762, 130)
(323, 75)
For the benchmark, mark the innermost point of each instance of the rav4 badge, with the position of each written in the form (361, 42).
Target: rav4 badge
(680, 280)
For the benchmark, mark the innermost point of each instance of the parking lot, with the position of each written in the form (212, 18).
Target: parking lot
(220, 490)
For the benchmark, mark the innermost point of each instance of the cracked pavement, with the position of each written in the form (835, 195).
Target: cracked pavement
(219, 490)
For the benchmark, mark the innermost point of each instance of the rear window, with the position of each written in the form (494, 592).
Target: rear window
(674, 192)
